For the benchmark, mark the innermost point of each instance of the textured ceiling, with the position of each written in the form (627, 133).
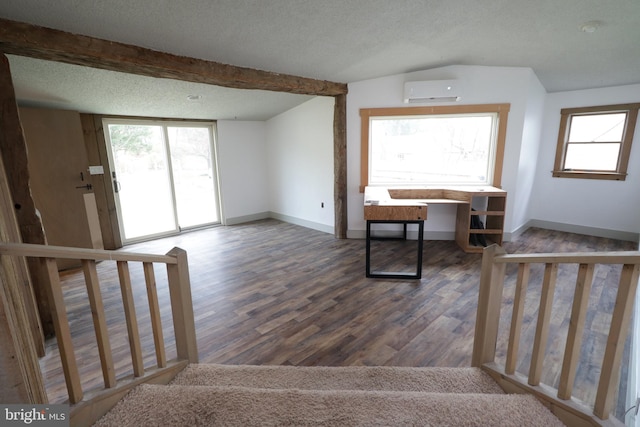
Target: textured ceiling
(70, 87)
(352, 40)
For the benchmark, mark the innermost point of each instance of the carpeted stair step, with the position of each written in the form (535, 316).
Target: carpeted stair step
(431, 380)
(173, 405)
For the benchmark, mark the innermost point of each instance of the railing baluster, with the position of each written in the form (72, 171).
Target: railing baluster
(542, 326)
(154, 314)
(576, 328)
(516, 318)
(63, 332)
(99, 322)
(182, 306)
(130, 315)
(622, 310)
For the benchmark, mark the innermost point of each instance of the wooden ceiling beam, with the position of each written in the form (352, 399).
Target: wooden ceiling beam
(23, 39)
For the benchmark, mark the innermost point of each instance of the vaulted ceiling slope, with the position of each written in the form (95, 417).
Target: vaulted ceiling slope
(572, 44)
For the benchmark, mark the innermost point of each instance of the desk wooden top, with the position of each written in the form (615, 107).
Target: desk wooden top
(407, 204)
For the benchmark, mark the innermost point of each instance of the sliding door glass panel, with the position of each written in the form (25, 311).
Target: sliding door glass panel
(142, 181)
(194, 175)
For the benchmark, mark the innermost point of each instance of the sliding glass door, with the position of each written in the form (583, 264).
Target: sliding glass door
(164, 176)
(193, 175)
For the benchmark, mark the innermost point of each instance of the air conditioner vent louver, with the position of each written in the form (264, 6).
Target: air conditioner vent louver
(432, 91)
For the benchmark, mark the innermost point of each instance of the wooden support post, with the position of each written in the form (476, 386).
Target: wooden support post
(182, 306)
(610, 373)
(340, 166)
(489, 301)
(29, 227)
(20, 377)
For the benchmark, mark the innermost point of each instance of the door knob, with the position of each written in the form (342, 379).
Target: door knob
(86, 187)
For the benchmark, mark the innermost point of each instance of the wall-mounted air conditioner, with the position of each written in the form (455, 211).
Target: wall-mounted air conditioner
(432, 91)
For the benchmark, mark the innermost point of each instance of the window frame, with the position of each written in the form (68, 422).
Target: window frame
(502, 111)
(566, 114)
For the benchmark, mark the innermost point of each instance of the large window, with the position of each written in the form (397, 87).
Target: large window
(452, 145)
(595, 142)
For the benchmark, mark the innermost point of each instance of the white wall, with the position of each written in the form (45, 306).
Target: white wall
(598, 207)
(527, 163)
(482, 85)
(283, 168)
(242, 154)
(300, 165)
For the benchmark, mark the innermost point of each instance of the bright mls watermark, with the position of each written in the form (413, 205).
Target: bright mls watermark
(34, 415)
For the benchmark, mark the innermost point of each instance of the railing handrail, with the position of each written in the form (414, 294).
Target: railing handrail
(86, 411)
(614, 257)
(63, 252)
(492, 280)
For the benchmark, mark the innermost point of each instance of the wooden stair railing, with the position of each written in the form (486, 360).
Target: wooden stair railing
(86, 409)
(560, 401)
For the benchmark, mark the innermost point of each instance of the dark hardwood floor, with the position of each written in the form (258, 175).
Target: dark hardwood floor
(270, 292)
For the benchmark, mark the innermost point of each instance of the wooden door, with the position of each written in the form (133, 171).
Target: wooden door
(60, 180)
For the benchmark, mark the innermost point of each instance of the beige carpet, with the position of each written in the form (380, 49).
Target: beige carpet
(264, 398)
(432, 380)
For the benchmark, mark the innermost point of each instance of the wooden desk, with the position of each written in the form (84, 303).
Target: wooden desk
(404, 204)
(380, 207)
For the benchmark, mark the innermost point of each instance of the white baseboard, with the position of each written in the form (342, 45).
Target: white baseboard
(284, 218)
(303, 222)
(580, 229)
(246, 218)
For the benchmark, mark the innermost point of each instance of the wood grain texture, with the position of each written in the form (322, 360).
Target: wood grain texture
(491, 287)
(516, 318)
(542, 325)
(622, 313)
(131, 319)
(54, 45)
(102, 184)
(20, 377)
(182, 306)
(13, 150)
(340, 165)
(99, 322)
(154, 312)
(63, 331)
(275, 293)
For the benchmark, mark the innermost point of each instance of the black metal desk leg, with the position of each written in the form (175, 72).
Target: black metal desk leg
(395, 275)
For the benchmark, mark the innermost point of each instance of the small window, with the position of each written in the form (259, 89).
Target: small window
(595, 142)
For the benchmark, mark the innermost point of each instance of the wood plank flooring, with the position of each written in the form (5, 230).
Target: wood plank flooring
(270, 292)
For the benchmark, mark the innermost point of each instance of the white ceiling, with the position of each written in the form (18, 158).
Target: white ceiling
(89, 90)
(335, 40)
